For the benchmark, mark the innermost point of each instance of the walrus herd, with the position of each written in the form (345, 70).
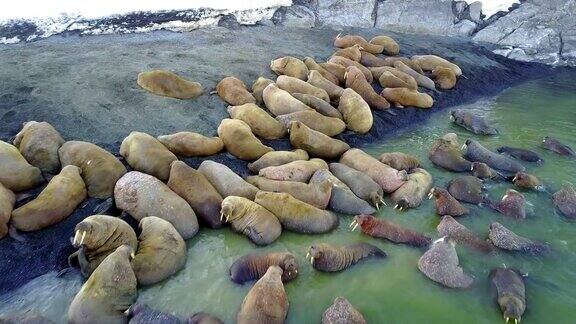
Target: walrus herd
(302, 190)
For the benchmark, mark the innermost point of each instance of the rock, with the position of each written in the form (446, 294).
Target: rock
(475, 11)
(356, 13)
(229, 21)
(294, 16)
(465, 27)
(458, 9)
(342, 312)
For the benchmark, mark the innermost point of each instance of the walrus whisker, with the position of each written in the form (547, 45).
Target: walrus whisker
(83, 236)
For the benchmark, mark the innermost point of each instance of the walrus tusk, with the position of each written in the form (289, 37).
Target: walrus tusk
(83, 236)
(345, 75)
(296, 271)
(377, 207)
(355, 225)
(75, 238)
(463, 147)
(338, 36)
(307, 255)
(472, 167)
(227, 217)
(352, 223)
(452, 118)
(395, 206)
(401, 207)
(311, 260)
(383, 202)
(132, 255)
(213, 92)
(514, 179)
(430, 194)
(507, 319)
(505, 196)
(221, 216)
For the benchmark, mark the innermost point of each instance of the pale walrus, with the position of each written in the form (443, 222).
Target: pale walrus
(472, 122)
(390, 46)
(266, 302)
(404, 97)
(400, 161)
(483, 171)
(381, 228)
(299, 170)
(390, 77)
(505, 239)
(359, 183)
(370, 60)
(513, 204)
(294, 85)
(328, 126)
(276, 158)
(296, 215)
(527, 181)
(161, 251)
(253, 266)
(240, 141)
(258, 88)
(421, 79)
(198, 192)
(446, 204)
(146, 154)
(412, 192)
(100, 168)
(468, 189)
(16, 173)
(191, 144)
(565, 200)
(355, 111)
(312, 65)
(355, 80)
(520, 154)
(336, 69)
(289, 66)
(391, 60)
(39, 143)
(260, 122)
(351, 40)
(168, 84)
(353, 52)
(55, 203)
(342, 199)
(445, 153)
(329, 258)
(140, 313)
(316, 143)
(318, 104)
(510, 293)
(280, 102)
(450, 228)
(347, 63)
(440, 264)
(251, 219)
(445, 78)
(478, 153)
(108, 293)
(226, 182)
(234, 91)
(7, 200)
(431, 62)
(388, 178)
(142, 195)
(315, 194)
(557, 147)
(334, 91)
(342, 312)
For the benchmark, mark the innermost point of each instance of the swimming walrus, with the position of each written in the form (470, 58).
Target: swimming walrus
(356, 112)
(146, 154)
(505, 239)
(240, 141)
(16, 173)
(477, 153)
(318, 104)
(446, 204)
(276, 158)
(329, 258)
(483, 171)
(140, 313)
(351, 40)
(334, 91)
(421, 79)
(203, 318)
(510, 293)
(312, 65)
(450, 228)
(280, 102)
(348, 62)
(300, 170)
(404, 97)
(7, 201)
(191, 144)
(100, 168)
(342, 199)
(527, 181)
(468, 189)
(388, 178)
(399, 160)
(355, 80)
(359, 183)
(258, 88)
(316, 143)
(555, 146)
(513, 204)
(168, 84)
(431, 62)
(342, 312)
(96, 237)
(414, 190)
(440, 264)
(234, 91)
(57, 201)
(336, 69)
(289, 66)
(384, 229)
(260, 122)
(520, 154)
(294, 85)
(198, 192)
(161, 251)
(251, 219)
(253, 266)
(296, 215)
(108, 293)
(565, 200)
(226, 181)
(266, 302)
(391, 77)
(315, 194)
(353, 52)
(445, 153)
(390, 46)
(328, 126)
(472, 122)
(142, 195)
(39, 143)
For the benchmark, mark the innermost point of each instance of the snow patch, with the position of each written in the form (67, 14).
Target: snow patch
(490, 7)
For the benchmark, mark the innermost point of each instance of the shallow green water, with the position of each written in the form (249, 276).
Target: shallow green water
(393, 290)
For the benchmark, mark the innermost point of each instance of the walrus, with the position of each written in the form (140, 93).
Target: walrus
(446, 204)
(351, 40)
(300, 170)
(520, 154)
(7, 201)
(328, 126)
(251, 219)
(356, 112)
(276, 158)
(440, 264)
(318, 104)
(391, 77)
(253, 266)
(280, 102)
(444, 77)
(336, 69)
(340, 312)
(445, 153)
(431, 62)
(334, 91)
(388, 178)
(146, 154)
(450, 228)
(482, 170)
(510, 293)
(294, 85)
(140, 313)
(370, 60)
(203, 318)
(191, 144)
(399, 160)
(414, 190)
(289, 66)
(56, 202)
(384, 229)
(234, 91)
(348, 62)
(100, 168)
(342, 200)
(389, 80)
(355, 80)
(513, 204)
(259, 121)
(198, 192)
(359, 183)
(39, 143)
(352, 53)
(472, 122)
(389, 45)
(555, 146)
(266, 302)
(161, 251)
(315, 194)
(421, 79)
(468, 189)
(404, 97)
(391, 60)
(240, 141)
(296, 215)
(527, 181)
(168, 84)
(109, 291)
(565, 200)
(226, 182)
(312, 65)
(96, 237)
(477, 153)
(325, 174)
(16, 173)
(316, 143)
(142, 195)
(329, 258)
(258, 88)
(505, 239)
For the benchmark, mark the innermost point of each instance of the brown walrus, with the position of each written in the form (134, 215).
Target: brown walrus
(276, 158)
(146, 154)
(351, 40)
(391, 60)
(253, 266)
(330, 258)
(450, 228)
(381, 228)
(513, 204)
(280, 102)
(336, 69)
(440, 264)
(234, 91)
(316, 143)
(390, 46)
(355, 80)
(557, 147)
(353, 52)
(446, 204)
(312, 65)
(370, 60)
(565, 200)
(240, 141)
(7, 200)
(318, 104)
(334, 91)
(400, 161)
(294, 85)
(299, 170)
(421, 79)
(328, 126)
(404, 97)
(251, 219)
(527, 181)
(510, 293)
(226, 181)
(467, 189)
(289, 66)
(431, 62)
(359, 183)
(16, 173)
(348, 62)
(412, 192)
(390, 77)
(342, 199)
(258, 87)
(483, 171)
(191, 144)
(445, 153)
(388, 178)
(315, 194)
(100, 168)
(445, 78)
(356, 112)
(505, 239)
(260, 122)
(168, 84)
(56, 202)
(39, 143)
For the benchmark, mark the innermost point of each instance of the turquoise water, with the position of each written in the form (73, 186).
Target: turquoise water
(393, 290)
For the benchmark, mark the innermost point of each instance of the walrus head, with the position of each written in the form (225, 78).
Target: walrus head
(512, 308)
(376, 199)
(227, 210)
(290, 267)
(87, 233)
(362, 220)
(315, 252)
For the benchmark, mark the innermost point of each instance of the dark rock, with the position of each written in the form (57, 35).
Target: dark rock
(294, 16)
(229, 21)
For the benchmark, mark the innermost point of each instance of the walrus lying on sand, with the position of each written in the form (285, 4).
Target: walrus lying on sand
(328, 126)
(444, 77)
(440, 264)
(391, 77)
(355, 112)
(146, 154)
(353, 52)
(450, 228)
(251, 219)
(356, 81)
(421, 79)
(276, 158)
(299, 170)
(226, 181)
(431, 62)
(240, 141)
(234, 91)
(348, 62)
(404, 97)
(389, 45)
(312, 65)
(474, 123)
(342, 199)
(318, 104)
(280, 102)
(16, 173)
(505, 239)
(7, 200)
(191, 144)
(266, 302)
(330, 258)
(260, 122)
(253, 266)
(316, 143)
(510, 293)
(334, 91)
(351, 40)
(381, 228)
(39, 143)
(336, 69)
(315, 194)
(340, 312)
(445, 153)
(289, 66)
(359, 183)
(446, 204)
(258, 88)
(294, 85)
(168, 84)
(388, 178)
